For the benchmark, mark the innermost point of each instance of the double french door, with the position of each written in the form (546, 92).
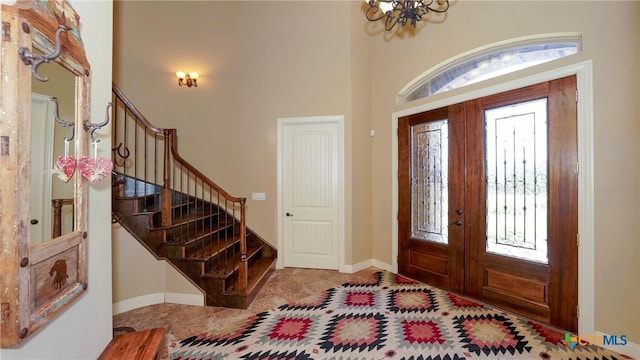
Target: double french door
(488, 200)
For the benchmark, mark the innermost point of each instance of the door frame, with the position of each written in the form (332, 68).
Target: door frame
(328, 119)
(586, 218)
(49, 124)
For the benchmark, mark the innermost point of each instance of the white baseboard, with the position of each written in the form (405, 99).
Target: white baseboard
(382, 265)
(350, 269)
(157, 298)
(137, 302)
(184, 299)
(630, 349)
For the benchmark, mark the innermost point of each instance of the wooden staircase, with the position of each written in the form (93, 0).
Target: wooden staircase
(187, 219)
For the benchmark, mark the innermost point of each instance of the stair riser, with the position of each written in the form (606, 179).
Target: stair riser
(266, 251)
(191, 269)
(212, 288)
(132, 188)
(149, 203)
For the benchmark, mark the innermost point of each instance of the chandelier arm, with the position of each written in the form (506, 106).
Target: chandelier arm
(391, 22)
(436, 9)
(373, 10)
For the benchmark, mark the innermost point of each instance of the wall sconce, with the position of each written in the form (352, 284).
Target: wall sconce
(190, 79)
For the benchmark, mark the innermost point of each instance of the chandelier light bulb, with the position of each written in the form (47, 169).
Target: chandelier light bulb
(385, 6)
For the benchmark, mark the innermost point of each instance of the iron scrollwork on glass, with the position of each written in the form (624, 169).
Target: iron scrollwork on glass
(429, 181)
(516, 182)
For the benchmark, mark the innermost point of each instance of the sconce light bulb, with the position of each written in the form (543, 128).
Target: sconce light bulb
(190, 79)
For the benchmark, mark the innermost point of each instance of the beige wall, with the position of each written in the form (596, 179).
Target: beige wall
(263, 60)
(358, 146)
(137, 274)
(83, 330)
(249, 77)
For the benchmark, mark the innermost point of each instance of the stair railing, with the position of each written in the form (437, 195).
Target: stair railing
(189, 204)
(58, 218)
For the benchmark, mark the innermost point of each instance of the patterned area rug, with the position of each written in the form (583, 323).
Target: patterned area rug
(390, 317)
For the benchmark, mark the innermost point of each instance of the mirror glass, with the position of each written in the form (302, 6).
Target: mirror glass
(52, 188)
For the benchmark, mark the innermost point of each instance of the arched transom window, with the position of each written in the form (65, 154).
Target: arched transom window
(490, 61)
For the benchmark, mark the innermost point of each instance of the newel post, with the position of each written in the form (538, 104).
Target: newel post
(243, 270)
(166, 171)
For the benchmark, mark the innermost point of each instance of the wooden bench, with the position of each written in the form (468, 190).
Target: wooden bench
(138, 345)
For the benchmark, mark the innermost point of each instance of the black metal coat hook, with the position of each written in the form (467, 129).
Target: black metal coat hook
(35, 60)
(67, 124)
(91, 128)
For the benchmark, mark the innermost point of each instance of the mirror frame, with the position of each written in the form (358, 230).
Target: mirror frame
(37, 283)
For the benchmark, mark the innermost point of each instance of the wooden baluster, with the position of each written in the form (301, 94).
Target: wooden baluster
(57, 205)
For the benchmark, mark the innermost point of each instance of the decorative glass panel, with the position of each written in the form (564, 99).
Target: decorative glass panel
(429, 187)
(516, 162)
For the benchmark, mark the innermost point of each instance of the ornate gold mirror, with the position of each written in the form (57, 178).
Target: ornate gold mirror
(44, 207)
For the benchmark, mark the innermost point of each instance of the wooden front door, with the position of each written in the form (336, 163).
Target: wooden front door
(488, 200)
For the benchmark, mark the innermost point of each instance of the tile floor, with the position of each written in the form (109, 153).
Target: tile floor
(182, 321)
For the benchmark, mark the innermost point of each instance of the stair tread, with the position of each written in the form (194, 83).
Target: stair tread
(212, 249)
(189, 237)
(257, 271)
(223, 271)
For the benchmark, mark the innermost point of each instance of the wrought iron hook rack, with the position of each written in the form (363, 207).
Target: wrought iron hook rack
(91, 128)
(35, 60)
(67, 124)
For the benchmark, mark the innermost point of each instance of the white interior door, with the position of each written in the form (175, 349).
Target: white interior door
(42, 125)
(310, 192)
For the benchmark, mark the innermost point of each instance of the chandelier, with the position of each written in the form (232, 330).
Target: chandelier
(403, 11)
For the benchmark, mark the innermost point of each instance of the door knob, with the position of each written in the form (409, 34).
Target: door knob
(289, 214)
(458, 223)
(459, 211)
(34, 221)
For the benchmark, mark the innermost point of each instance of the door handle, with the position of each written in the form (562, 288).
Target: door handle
(458, 223)
(289, 214)
(34, 221)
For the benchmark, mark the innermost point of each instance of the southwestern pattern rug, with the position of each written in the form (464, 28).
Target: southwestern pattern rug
(389, 317)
